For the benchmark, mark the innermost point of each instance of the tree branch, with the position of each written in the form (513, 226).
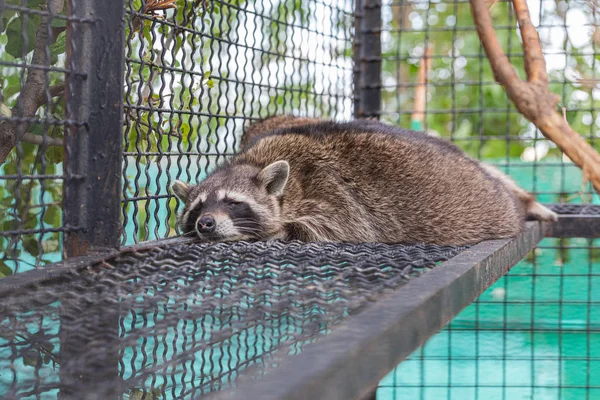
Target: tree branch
(29, 98)
(420, 102)
(535, 64)
(533, 97)
(39, 140)
(54, 91)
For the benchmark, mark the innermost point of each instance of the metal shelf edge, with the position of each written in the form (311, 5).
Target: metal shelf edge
(349, 362)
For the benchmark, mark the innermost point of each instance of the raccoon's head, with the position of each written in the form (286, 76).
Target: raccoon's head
(238, 202)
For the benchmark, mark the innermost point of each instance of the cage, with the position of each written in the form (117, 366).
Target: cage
(103, 105)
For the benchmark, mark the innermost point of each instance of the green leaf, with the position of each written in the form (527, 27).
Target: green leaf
(5, 111)
(30, 361)
(16, 45)
(58, 47)
(178, 44)
(59, 22)
(15, 41)
(185, 132)
(13, 87)
(52, 215)
(50, 245)
(31, 221)
(5, 270)
(464, 129)
(28, 3)
(54, 154)
(6, 17)
(10, 168)
(31, 246)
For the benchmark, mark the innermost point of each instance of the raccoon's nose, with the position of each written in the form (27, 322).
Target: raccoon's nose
(207, 224)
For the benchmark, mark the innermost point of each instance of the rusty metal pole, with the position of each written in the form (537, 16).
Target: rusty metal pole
(370, 60)
(367, 73)
(356, 53)
(93, 150)
(93, 146)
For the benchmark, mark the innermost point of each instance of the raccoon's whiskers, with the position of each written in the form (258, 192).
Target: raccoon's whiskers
(245, 229)
(246, 220)
(251, 231)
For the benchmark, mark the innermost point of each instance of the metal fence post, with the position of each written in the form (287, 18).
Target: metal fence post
(369, 81)
(93, 150)
(356, 54)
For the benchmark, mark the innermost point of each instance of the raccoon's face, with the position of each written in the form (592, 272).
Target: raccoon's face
(238, 202)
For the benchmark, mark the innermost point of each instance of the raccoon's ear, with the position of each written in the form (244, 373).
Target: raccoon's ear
(275, 176)
(181, 190)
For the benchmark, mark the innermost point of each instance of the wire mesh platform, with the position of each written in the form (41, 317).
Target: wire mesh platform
(197, 314)
(186, 319)
(575, 209)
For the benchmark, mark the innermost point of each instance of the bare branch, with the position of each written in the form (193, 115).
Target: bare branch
(28, 101)
(535, 64)
(532, 97)
(504, 72)
(54, 91)
(150, 7)
(418, 115)
(39, 140)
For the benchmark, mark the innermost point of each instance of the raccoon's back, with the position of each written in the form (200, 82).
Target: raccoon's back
(372, 182)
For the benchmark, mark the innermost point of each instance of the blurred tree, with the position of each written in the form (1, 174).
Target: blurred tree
(463, 101)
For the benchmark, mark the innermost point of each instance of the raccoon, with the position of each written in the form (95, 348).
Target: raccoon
(361, 181)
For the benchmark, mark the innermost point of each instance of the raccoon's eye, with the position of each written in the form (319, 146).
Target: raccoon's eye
(235, 205)
(232, 203)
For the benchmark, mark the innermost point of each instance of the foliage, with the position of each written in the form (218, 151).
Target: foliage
(475, 115)
(195, 71)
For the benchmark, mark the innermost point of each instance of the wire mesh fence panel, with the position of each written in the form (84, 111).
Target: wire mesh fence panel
(533, 334)
(198, 72)
(33, 119)
(462, 101)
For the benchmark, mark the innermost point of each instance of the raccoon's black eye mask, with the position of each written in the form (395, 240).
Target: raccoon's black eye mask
(231, 202)
(190, 224)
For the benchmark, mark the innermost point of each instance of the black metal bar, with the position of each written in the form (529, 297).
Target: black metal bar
(582, 226)
(356, 53)
(82, 376)
(370, 60)
(94, 150)
(53, 273)
(350, 362)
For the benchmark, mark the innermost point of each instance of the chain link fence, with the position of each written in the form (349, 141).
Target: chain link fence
(103, 106)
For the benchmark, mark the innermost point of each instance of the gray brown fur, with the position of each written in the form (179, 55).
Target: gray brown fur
(259, 129)
(360, 181)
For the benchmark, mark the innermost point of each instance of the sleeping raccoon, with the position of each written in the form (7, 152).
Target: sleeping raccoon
(361, 181)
